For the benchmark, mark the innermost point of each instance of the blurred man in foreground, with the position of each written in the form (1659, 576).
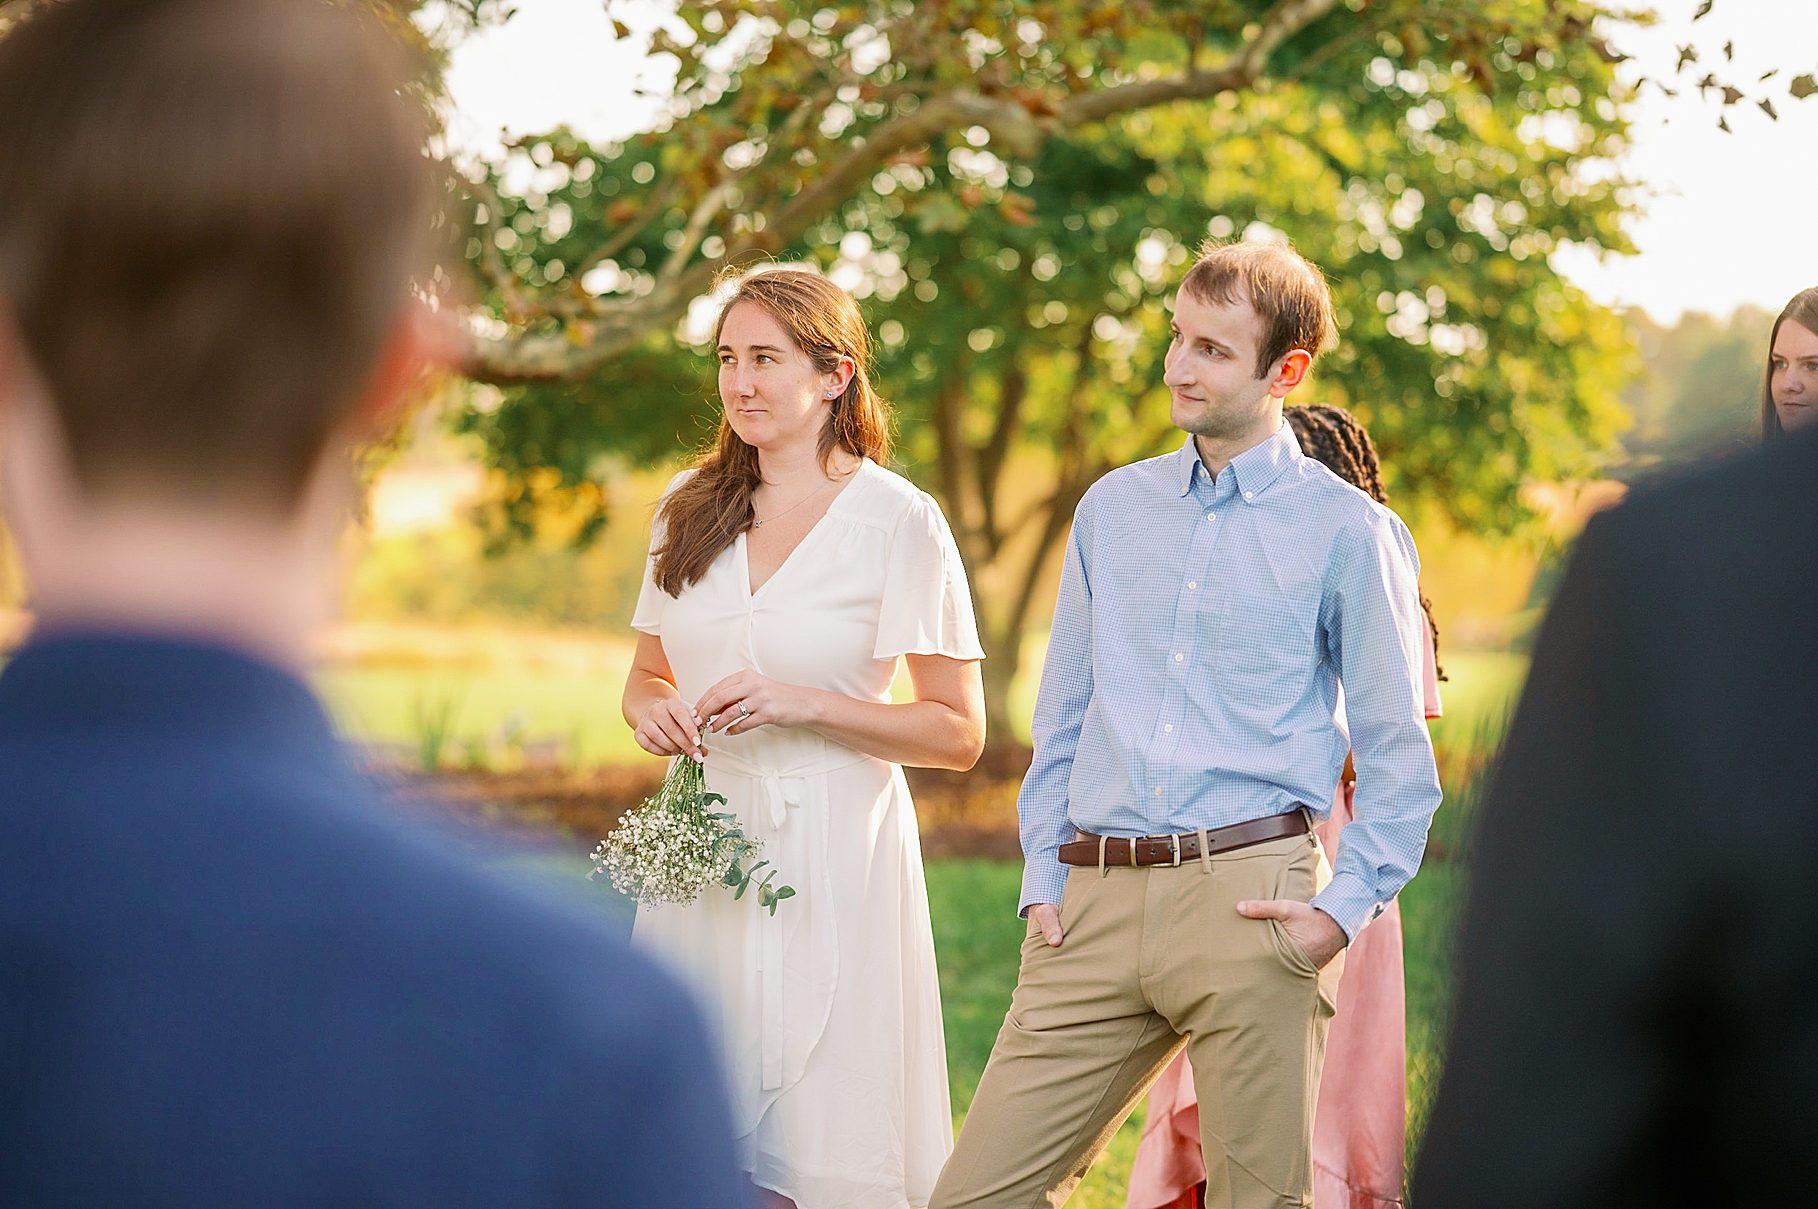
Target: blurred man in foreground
(1639, 960)
(227, 976)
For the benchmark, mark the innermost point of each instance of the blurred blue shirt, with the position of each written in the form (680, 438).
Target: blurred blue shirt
(1193, 674)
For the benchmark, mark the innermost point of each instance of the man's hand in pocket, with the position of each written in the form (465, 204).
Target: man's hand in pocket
(1317, 933)
(1047, 918)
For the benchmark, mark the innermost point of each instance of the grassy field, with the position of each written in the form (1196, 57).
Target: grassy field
(977, 938)
(977, 941)
(393, 687)
(977, 934)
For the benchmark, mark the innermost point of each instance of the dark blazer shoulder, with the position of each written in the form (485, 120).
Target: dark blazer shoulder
(1747, 511)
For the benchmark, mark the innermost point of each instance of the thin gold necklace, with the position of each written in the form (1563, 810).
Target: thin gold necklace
(757, 524)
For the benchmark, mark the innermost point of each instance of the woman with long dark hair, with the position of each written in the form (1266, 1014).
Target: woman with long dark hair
(1360, 1123)
(1789, 396)
(789, 572)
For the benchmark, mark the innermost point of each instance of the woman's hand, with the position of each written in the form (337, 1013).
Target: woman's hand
(745, 701)
(669, 728)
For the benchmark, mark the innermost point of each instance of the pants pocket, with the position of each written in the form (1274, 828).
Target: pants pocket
(1289, 950)
(1296, 881)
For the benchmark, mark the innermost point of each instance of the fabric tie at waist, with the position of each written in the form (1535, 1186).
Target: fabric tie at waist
(781, 788)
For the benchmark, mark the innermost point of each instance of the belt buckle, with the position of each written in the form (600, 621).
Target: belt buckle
(1174, 838)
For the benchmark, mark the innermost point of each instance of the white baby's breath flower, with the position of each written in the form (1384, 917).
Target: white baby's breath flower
(673, 846)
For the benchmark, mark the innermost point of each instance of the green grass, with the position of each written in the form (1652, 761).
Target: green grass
(973, 902)
(386, 703)
(977, 941)
(1483, 685)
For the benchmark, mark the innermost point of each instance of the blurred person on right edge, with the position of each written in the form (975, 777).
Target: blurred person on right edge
(1212, 602)
(1636, 967)
(1360, 1125)
(1789, 395)
(230, 975)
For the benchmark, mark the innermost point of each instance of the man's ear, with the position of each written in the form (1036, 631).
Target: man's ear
(421, 340)
(1290, 372)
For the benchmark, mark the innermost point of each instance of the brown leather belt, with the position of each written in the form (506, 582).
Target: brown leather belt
(1112, 851)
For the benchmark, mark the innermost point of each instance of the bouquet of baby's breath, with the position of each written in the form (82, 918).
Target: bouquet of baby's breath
(674, 845)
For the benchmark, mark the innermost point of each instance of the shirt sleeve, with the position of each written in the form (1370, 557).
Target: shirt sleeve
(1060, 711)
(927, 606)
(1374, 636)
(647, 618)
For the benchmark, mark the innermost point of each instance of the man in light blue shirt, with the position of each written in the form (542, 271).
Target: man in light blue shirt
(1225, 611)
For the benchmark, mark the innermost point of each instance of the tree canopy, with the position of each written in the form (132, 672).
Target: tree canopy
(1017, 258)
(1013, 187)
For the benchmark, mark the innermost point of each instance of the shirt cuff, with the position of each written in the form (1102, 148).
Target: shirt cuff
(1044, 877)
(1346, 899)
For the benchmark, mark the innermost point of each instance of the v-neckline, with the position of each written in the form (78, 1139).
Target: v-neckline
(751, 593)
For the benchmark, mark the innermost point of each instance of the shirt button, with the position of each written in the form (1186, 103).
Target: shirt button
(1211, 516)
(1193, 584)
(1169, 729)
(1158, 791)
(1178, 658)
(1249, 495)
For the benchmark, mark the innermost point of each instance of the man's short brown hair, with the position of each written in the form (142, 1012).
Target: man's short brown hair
(1285, 288)
(210, 214)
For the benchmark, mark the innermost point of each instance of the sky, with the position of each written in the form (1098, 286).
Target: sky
(1727, 216)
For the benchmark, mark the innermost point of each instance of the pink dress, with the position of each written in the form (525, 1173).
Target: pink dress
(1360, 1124)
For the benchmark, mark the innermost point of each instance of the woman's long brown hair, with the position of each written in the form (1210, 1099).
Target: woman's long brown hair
(1803, 310)
(706, 514)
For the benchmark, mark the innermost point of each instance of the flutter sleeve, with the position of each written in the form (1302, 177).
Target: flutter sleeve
(927, 606)
(647, 618)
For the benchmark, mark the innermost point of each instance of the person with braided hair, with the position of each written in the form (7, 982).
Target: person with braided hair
(1187, 741)
(1335, 437)
(1360, 1121)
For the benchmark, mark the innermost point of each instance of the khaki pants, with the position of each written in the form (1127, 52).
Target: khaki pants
(1151, 955)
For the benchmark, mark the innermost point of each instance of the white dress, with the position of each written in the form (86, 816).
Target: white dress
(830, 1008)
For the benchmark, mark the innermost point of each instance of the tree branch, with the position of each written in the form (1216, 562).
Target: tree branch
(659, 201)
(1282, 22)
(1010, 124)
(696, 230)
(1017, 132)
(991, 458)
(949, 402)
(1075, 476)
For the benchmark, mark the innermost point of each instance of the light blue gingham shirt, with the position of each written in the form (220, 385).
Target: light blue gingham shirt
(1192, 680)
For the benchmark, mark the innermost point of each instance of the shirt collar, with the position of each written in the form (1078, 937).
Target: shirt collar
(1254, 470)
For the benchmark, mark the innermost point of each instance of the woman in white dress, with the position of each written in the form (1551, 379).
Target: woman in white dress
(789, 572)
